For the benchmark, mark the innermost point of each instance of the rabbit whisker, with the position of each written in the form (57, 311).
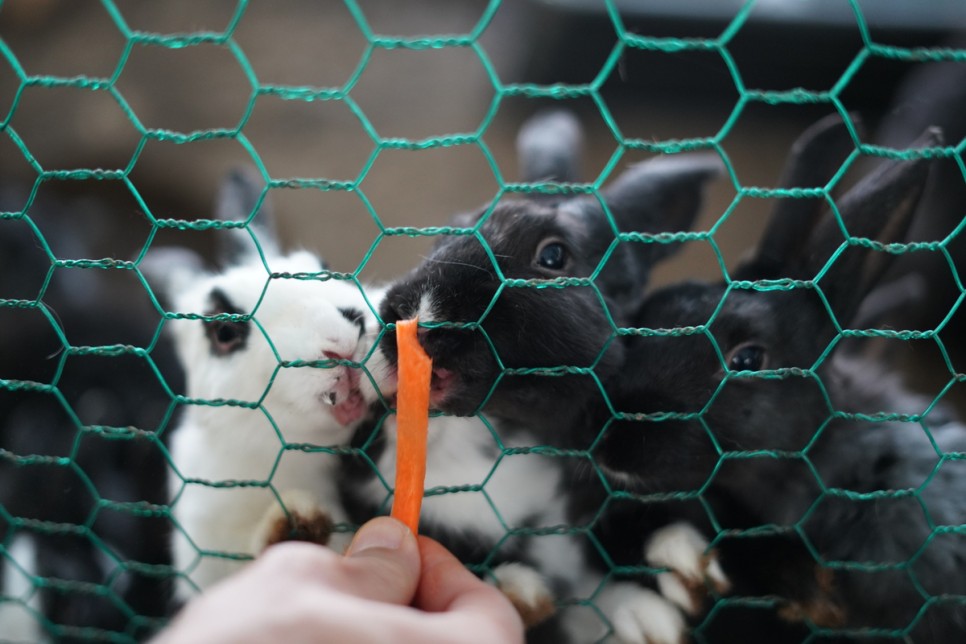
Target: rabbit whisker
(454, 263)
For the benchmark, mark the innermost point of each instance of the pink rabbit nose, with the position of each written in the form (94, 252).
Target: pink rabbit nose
(332, 355)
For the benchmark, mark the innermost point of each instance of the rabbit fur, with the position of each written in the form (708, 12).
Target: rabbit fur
(818, 414)
(114, 406)
(261, 492)
(562, 333)
(932, 94)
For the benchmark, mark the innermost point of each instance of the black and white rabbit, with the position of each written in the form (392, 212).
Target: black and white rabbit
(527, 359)
(545, 291)
(739, 398)
(273, 397)
(81, 469)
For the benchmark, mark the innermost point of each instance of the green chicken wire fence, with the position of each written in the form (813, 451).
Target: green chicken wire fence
(139, 625)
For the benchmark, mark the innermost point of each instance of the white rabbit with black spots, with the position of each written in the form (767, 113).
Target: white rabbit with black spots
(271, 348)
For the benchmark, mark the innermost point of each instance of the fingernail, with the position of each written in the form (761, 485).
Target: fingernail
(384, 533)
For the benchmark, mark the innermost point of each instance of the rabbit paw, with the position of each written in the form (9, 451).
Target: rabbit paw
(527, 591)
(301, 520)
(680, 548)
(638, 615)
(822, 607)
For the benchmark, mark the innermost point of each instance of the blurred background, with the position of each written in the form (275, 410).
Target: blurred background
(415, 94)
(273, 82)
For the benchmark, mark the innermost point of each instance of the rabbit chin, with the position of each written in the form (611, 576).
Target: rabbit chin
(454, 396)
(350, 410)
(445, 391)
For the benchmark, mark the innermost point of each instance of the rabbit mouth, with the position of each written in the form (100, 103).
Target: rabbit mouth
(351, 409)
(346, 399)
(441, 385)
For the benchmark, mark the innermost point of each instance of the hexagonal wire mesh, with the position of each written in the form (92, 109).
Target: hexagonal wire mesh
(53, 454)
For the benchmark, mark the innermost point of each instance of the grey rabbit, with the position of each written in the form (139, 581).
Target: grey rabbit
(525, 359)
(828, 483)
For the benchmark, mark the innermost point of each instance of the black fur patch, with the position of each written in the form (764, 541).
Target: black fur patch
(355, 316)
(225, 336)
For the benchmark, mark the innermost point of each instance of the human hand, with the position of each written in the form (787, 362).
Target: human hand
(388, 587)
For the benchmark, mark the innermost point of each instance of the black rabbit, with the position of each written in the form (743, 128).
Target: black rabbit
(546, 290)
(933, 94)
(81, 469)
(520, 330)
(827, 485)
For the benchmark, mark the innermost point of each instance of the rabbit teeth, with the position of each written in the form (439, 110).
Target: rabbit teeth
(693, 569)
(334, 396)
(345, 398)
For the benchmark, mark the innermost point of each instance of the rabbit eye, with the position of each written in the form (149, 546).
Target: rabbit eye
(226, 336)
(747, 357)
(552, 255)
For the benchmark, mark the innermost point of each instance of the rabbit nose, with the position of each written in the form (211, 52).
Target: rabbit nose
(333, 355)
(401, 303)
(396, 310)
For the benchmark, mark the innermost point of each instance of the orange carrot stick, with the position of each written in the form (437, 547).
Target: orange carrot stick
(412, 423)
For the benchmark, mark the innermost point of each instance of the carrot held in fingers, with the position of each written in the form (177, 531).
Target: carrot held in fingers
(412, 422)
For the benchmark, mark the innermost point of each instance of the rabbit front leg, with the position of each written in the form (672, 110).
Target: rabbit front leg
(692, 567)
(298, 517)
(808, 594)
(527, 591)
(638, 615)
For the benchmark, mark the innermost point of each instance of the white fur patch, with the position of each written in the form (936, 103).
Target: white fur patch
(675, 590)
(564, 555)
(523, 582)
(682, 549)
(425, 312)
(461, 452)
(640, 616)
(17, 619)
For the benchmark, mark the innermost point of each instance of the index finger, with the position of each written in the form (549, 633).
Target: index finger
(446, 586)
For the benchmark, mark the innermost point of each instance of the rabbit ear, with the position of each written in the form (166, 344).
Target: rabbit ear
(909, 291)
(814, 158)
(549, 147)
(880, 207)
(661, 195)
(170, 270)
(240, 194)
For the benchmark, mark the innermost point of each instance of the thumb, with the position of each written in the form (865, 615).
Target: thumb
(382, 562)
